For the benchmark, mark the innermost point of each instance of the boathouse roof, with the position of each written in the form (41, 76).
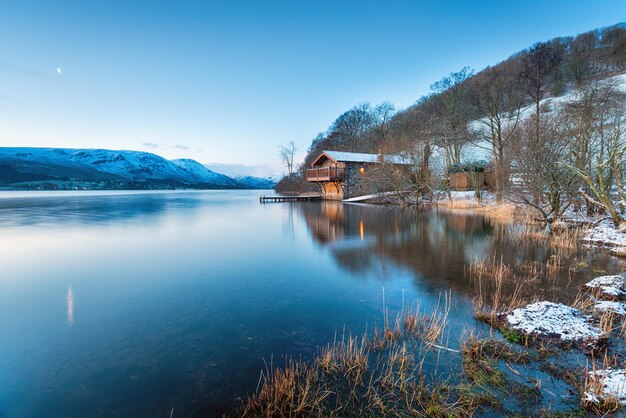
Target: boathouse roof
(357, 157)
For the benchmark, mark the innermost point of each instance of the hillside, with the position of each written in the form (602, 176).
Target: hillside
(200, 174)
(62, 168)
(443, 119)
(257, 182)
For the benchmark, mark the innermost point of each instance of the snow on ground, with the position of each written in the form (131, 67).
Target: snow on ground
(604, 234)
(614, 306)
(609, 286)
(462, 195)
(470, 195)
(553, 320)
(464, 199)
(481, 150)
(368, 197)
(612, 385)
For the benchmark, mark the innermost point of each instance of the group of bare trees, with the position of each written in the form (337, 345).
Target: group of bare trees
(597, 122)
(572, 154)
(546, 153)
(287, 153)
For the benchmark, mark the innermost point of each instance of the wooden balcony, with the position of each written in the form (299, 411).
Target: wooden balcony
(324, 174)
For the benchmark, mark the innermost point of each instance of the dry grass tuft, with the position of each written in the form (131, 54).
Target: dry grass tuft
(376, 376)
(505, 212)
(293, 390)
(564, 241)
(480, 360)
(594, 399)
(490, 279)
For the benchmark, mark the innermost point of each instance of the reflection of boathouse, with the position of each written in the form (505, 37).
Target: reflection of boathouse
(342, 175)
(436, 247)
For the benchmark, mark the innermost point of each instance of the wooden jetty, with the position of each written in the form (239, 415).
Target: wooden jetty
(276, 199)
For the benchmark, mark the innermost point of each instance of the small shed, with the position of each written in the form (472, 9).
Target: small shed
(342, 175)
(467, 180)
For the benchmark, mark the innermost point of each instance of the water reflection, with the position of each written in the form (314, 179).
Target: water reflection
(183, 295)
(59, 209)
(69, 305)
(437, 247)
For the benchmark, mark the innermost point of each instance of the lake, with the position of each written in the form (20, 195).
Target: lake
(140, 303)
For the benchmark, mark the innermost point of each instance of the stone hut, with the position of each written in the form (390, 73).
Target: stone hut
(343, 175)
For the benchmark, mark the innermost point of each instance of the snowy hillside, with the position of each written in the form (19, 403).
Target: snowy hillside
(481, 150)
(201, 174)
(106, 167)
(257, 182)
(251, 176)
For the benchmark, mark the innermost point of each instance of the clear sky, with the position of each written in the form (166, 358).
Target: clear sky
(229, 81)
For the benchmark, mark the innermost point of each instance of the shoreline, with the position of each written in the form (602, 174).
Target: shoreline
(600, 231)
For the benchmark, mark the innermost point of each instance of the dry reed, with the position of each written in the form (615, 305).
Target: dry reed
(367, 376)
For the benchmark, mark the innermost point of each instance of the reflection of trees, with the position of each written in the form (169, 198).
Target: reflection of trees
(437, 247)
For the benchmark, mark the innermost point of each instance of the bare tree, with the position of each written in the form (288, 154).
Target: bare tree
(382, 113)
(540, 179)
(580, 57)
(453, 97)
(498, 102)
(287, 153)
(598, 126)
(392, 178)
(537, 69)
(349, 129)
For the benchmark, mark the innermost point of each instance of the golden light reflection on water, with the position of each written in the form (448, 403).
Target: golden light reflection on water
(69, 303)
(362, 230)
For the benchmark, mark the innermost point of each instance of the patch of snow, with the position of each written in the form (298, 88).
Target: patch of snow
(612, 286)
(553, 320)
(463, 195)
(604, 234)
(482, 149)
(613, 385)
(368, 197)
(614, 306)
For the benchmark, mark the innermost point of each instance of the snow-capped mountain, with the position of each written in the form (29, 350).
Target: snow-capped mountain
(252, 176)
(201, 174)
(64, 168)
(257, 182)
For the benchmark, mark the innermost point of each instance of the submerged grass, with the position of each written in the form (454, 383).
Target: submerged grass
(382, 373)
(377, 375)
(564, 241)
(595, 400)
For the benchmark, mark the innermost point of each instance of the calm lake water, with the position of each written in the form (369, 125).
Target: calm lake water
(131, 304)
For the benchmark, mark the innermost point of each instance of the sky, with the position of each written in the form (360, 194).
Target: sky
(231, 81)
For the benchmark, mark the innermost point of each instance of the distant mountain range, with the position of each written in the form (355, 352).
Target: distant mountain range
(64, 168)
(242, 170)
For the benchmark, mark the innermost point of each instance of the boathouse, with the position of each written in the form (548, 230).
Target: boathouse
(343, 175)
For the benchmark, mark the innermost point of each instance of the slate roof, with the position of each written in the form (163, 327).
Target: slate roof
(356, 157)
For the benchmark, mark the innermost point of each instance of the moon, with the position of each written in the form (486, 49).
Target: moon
(59, 70)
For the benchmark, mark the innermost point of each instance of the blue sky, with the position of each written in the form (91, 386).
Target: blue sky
(229, 81)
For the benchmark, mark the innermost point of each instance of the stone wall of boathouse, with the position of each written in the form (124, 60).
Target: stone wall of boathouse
(355, 183)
